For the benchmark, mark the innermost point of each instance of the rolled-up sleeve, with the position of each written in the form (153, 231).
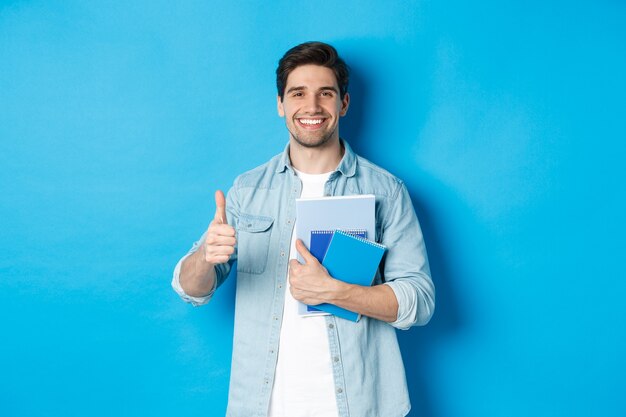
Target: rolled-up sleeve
(406, 268)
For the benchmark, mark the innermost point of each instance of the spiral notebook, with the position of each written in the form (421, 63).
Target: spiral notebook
(353, 260)
(332, 213)
(320, 239)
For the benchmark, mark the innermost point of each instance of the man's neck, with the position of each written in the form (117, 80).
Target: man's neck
(318, 160)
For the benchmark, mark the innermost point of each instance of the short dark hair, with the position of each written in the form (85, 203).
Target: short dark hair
(317, 53)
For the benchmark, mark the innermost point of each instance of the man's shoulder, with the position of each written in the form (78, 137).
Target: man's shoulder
(382, 180)
(260, 175)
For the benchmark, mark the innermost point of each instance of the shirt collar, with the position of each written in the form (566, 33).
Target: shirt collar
(347, 165)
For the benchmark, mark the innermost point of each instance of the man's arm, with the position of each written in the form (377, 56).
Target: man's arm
(405, 265)
(311, 284)
(378, 301)
(197, 276)
(406, 298)
(197, 273)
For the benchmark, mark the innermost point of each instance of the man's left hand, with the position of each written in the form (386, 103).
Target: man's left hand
(310, 282)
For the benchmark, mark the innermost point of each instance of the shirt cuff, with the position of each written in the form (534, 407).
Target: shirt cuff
(195, 301)
(407, 304)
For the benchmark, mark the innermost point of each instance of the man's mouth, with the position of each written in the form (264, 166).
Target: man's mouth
(311, 123)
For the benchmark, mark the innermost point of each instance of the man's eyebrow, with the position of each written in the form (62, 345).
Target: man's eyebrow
(302, 88)
(299, 88)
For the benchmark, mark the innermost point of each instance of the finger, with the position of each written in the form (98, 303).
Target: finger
(219, 240)
(220, 250)
(218, 254)
(215, 260)
(294, 293)
(221, 229)
(220, 207)
(304, 252)
(295, 269)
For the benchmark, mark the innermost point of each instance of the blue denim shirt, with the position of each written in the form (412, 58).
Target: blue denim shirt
(367, 367)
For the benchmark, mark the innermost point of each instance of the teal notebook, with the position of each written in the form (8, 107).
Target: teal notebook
(320, 239)
(353, 260)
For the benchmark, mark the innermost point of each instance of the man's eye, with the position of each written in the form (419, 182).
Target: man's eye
(327, 93)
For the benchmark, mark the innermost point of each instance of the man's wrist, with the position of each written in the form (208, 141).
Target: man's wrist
(198, 278)
(340, 291)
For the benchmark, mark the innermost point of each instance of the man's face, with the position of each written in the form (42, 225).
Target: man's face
(311, 105)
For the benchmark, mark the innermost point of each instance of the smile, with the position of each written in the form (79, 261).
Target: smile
(311, 123)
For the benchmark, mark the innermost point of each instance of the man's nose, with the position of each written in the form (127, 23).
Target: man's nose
(312, 104)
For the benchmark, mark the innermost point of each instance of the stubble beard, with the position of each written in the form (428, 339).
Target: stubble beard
(313, 142)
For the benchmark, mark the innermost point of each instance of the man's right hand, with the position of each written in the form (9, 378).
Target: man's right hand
(220, 241)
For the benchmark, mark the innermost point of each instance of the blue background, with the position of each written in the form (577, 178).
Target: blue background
(118, 120)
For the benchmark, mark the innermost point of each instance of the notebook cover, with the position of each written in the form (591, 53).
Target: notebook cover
(320, 239)
(332, 213)
(353, 260)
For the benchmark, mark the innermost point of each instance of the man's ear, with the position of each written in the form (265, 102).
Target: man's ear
(345, 103)
(279, 106)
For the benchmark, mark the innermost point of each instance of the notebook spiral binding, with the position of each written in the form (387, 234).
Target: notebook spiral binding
(378, 245)
(347, 231)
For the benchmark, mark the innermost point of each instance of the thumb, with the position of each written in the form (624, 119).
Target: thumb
(220, 207)
(304, 252)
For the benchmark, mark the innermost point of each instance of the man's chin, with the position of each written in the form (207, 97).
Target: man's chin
(315, 142)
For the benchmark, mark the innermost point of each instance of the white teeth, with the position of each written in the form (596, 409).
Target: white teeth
(311, 121)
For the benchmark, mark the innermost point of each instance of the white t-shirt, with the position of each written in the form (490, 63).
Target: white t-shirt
(304, 384)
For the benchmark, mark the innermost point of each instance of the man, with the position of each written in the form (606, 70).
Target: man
(284, 364)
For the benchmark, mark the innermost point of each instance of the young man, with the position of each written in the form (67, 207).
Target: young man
(284, 364)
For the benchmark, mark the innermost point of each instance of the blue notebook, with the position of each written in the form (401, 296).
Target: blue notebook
(320, 239)
(332, 213)
(353, 260)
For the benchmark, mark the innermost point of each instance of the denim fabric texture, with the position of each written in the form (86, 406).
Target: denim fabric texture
(368, 370)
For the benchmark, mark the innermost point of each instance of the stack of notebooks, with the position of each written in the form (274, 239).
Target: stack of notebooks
(336, 231)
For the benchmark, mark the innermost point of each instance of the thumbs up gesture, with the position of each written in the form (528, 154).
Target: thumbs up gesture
(220, 241)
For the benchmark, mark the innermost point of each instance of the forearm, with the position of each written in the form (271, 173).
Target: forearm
(197, 276)
(378, 302)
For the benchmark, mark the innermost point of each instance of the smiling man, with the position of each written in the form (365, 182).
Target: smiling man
(311, 122)
(284, 364)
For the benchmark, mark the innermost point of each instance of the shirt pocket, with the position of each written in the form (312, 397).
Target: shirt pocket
(253, 240)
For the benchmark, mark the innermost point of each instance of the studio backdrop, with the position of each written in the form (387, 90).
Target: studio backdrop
(120, 119)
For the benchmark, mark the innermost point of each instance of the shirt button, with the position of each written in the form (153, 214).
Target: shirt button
(331, 326)
(336, 358)
(339, 390)
(282, 254)
(288, 221)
